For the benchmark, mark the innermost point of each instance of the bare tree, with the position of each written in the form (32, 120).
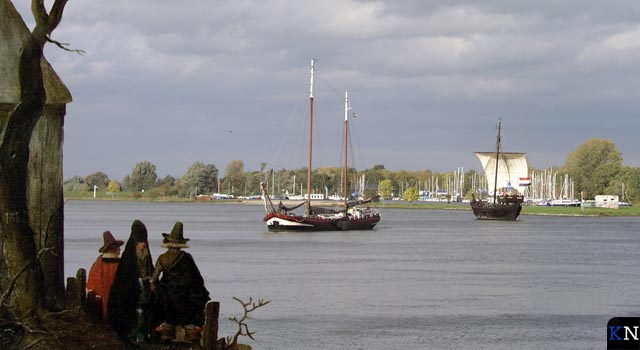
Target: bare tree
(243, 328)
(23, 293)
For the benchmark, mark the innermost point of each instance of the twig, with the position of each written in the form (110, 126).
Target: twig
(243, 328)
(64, 46)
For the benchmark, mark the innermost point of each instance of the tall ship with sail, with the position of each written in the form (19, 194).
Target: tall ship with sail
(349, 216)
(507, 175)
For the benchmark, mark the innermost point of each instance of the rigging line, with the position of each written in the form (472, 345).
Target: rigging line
(298, 146)
(339, 94)
(353, 135)
(284, 136)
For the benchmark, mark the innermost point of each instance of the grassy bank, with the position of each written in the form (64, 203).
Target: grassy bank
(526, 210)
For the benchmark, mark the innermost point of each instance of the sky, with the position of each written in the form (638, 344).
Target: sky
(177, 82)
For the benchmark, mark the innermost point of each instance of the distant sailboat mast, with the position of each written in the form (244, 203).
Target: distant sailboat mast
(308, 209)
(346, 140)
(495, 181)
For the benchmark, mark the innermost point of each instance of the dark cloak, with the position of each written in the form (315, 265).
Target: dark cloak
(127, 292)
(181, 293)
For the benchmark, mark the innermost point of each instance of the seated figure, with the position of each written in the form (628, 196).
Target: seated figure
(178, 284)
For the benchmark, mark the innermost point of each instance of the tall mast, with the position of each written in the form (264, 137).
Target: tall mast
(495, 181)
(346, 140)
(308, 210)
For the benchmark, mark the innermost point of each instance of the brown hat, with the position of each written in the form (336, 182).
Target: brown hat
(110, 243)
(175, 239)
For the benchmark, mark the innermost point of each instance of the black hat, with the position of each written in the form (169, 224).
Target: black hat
(175, 239)
(138, 231)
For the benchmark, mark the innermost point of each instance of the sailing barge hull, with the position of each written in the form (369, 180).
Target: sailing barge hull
(279, 222)
(507, 208)
(506, 212)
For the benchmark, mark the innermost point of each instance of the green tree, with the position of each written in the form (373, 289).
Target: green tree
(626, 185)
(113, 186)
(200, 178)
(370, 193)
(234, 177)
(411, 194)
(99, 179)
(385, 188)
(168, 186)
(593, 165)
(142, 177)
(375, 174)
(74, 184)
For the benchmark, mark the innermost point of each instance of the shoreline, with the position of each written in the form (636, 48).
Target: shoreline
(526, 209)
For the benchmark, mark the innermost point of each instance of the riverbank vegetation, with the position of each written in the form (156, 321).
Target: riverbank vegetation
(595, 167)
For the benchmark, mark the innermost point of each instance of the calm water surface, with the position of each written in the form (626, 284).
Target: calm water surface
(423, 279)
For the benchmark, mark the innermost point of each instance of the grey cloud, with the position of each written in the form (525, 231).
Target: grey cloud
(165, 81)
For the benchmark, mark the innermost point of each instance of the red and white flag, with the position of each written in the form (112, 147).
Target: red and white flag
(525, 181)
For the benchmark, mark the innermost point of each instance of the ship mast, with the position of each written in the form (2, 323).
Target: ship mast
(346, 140)
(495, 181)
(308, 209)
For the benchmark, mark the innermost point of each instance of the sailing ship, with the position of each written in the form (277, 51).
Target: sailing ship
(507, 174)
(350, 216)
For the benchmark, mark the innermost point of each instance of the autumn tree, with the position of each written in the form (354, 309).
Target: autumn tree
(593, 165)
(113, 186)
(411, 194)
(25, 289)
(385, 188)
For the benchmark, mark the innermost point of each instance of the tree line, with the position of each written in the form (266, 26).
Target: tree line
(595, 167)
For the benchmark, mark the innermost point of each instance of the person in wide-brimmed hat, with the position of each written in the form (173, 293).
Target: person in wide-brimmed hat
(103, 270)
(181, 292)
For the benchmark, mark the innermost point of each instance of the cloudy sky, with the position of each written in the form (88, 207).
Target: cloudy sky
(175, 82)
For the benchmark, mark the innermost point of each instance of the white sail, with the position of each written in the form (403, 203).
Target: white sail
(511, 167)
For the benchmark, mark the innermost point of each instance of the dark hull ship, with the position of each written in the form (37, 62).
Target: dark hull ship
(507, 207)
(349, 216)
(282, 220)
(502, 169)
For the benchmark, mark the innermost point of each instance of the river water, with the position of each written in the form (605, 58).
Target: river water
(423, 279)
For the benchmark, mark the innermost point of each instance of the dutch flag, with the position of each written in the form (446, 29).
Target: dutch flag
(525, 181)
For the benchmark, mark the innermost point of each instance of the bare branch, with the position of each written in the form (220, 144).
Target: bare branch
(63, 46)
(55, 16)
(243, 328)
(39, 13)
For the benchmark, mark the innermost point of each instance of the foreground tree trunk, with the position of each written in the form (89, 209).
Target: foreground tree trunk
(23, 285)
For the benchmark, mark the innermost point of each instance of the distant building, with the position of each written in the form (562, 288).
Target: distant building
(606, 201)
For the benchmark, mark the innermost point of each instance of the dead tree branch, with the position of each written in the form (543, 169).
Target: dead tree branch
(64, 46)
(243, 328)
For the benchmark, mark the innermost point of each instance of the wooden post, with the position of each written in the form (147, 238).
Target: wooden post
(210, 327)
(70, 293)
(94, 306)
(81, 288)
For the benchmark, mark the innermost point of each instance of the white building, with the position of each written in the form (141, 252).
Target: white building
(606, 201)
